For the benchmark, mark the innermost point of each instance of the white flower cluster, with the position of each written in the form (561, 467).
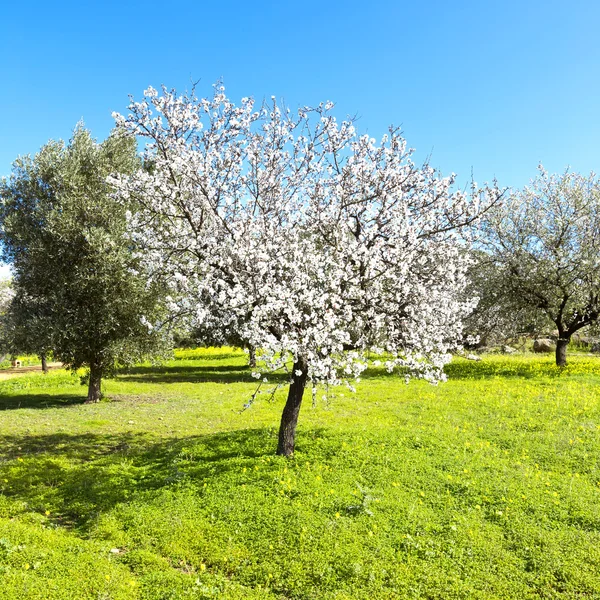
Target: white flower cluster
(300, 236)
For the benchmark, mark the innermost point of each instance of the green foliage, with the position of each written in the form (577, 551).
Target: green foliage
(77, 292)
(6, 297)
(487, 486)
(544, 245)
(499, 316)
(26, 360)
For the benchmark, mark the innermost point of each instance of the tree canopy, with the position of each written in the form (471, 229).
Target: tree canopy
(499, 317)
(303, 238)
(76, 289)
(545, 241)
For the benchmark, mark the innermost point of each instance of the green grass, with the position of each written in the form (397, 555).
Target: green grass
(26, 361)
(487, 486)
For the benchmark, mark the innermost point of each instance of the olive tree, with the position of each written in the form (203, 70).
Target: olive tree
(76, 288)
(313, 243)
(26, 326)
(545, 241)
(7, 294)
(498, 317)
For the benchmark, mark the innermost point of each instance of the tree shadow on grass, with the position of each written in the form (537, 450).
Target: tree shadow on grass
(195, 374)
(241, 374)
(79, 477)
(228, 374)
(16, 401)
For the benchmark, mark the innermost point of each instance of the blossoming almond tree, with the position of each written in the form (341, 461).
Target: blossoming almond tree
(312, 243)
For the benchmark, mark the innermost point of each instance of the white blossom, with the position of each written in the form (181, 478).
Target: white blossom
(300, 236)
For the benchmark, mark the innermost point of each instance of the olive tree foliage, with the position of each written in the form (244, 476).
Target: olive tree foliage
(6, 296)
(302, 238)
(26, 325)
(499, 317)
(545, 241)
(75, 288)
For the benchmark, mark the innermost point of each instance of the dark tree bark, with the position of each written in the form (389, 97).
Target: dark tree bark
(251, 357)
(289, 417)
(94, 388)
(44, 362)
(561, 351)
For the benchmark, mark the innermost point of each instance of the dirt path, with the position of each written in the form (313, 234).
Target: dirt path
(16, 371)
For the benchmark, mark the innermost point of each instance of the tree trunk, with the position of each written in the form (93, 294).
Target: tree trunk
(44, 362)
(251, 357)
(94, 388)
(289, 417)
(561, 351)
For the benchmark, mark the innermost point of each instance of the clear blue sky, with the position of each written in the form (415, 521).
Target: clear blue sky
(491, 86)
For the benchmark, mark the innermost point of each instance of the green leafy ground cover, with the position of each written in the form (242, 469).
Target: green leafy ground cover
(487, 486)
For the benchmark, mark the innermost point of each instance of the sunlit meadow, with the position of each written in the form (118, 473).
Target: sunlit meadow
(487, 486)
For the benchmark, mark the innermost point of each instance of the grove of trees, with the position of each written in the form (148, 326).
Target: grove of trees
(286, 232)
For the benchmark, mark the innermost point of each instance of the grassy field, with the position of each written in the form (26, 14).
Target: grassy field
(487, 486)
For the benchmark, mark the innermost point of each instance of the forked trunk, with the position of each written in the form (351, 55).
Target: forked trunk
(94, 387)
(289, 417)
(561, 351)
(44, 362)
